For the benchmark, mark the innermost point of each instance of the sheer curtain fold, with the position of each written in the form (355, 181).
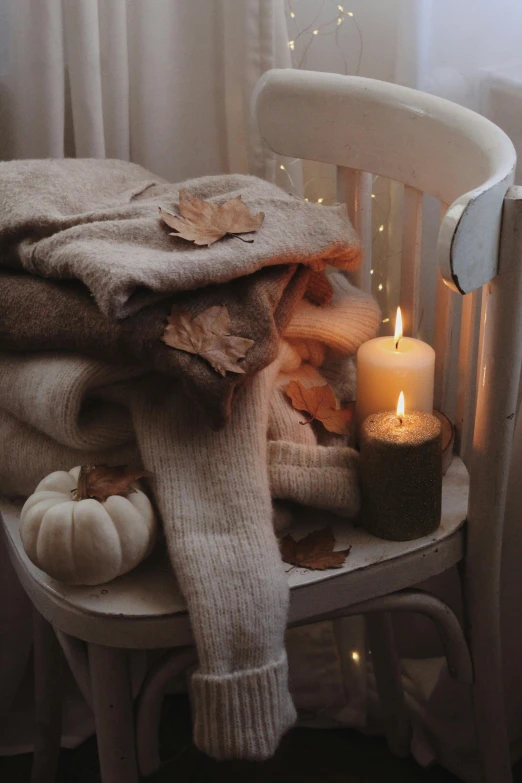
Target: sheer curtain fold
(33, 119)
(82, 49)
(166, 83)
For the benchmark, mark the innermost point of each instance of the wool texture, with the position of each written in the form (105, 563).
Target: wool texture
(226, 558)
(337, 329)
(315, 476)
(45, 315)
(214, 491)
(97, 221)
(57, 394)
(29, 455)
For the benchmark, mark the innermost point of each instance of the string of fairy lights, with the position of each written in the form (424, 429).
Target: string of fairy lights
(307, 25)
(315, 27)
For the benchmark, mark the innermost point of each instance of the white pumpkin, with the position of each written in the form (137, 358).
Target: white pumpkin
(85, 542)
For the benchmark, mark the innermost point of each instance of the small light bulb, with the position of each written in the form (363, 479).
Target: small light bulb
(316, 32)
(350, 13)
(355, 657)
(320, 200)
(373, 195)
(386, 320)
(339, 21)
(340, 8)
(380, 286)
(292, 15)
(381, 228)
(306, 199)
(371, 271)
(291, 45)
(282, 167)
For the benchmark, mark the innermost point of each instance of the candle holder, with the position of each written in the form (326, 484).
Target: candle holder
(401, 474)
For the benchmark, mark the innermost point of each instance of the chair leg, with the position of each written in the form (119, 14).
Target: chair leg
(113, 714)
(48, 700)
(389, 682)
(487, 689)
(148, 711)
(482, 610)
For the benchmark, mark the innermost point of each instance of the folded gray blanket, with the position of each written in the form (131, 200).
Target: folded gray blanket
(98, 221)
(46, 315)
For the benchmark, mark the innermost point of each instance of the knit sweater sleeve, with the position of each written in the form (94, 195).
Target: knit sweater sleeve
(213, 492)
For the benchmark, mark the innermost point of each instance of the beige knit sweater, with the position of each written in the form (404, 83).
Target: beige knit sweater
(213, 490)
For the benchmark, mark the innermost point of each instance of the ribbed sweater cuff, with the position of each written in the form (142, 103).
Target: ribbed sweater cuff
(318, 476)
(243, 715)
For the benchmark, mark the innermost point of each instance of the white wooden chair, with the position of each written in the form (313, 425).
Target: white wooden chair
(431, 146)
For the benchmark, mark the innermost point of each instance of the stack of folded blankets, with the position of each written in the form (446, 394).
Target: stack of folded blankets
(88, 275)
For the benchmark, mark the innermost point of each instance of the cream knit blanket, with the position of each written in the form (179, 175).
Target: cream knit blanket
(213, 490)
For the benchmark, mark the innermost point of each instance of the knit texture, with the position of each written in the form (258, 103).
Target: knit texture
(44, 315)
(97, 221)
(338, 328)
(214, 492)
(226, 558)
(28, 455)
(50, 391)
(256, 699)
(315, 476)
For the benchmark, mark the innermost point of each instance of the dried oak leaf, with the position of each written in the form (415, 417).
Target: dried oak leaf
(101, 481)
(204, 222)
(314, 551)
(207, 335)
(320, 403)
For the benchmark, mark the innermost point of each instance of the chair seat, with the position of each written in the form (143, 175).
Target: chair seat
(145, 609)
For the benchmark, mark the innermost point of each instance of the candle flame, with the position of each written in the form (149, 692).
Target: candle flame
(400, 406)
(398, 328)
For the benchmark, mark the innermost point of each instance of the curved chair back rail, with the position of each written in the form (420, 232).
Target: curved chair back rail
(424, 142)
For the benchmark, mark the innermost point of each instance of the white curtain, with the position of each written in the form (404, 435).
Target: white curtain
(164, 83)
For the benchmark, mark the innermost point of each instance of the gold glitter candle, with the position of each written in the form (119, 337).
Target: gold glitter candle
(401, 474)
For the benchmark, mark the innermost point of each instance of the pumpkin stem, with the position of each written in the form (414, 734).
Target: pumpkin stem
(82, 490)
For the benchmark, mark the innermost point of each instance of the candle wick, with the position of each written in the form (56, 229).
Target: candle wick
(397, 344)
(400, 420)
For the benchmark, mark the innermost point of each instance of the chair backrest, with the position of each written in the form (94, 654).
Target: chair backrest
(430, 146)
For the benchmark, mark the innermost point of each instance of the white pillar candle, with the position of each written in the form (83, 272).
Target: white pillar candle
(388, 366)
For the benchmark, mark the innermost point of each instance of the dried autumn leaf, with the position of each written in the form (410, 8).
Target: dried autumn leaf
(320, 403)
(207, 335)
(314, 551)
(102, 481)
(204, 222)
